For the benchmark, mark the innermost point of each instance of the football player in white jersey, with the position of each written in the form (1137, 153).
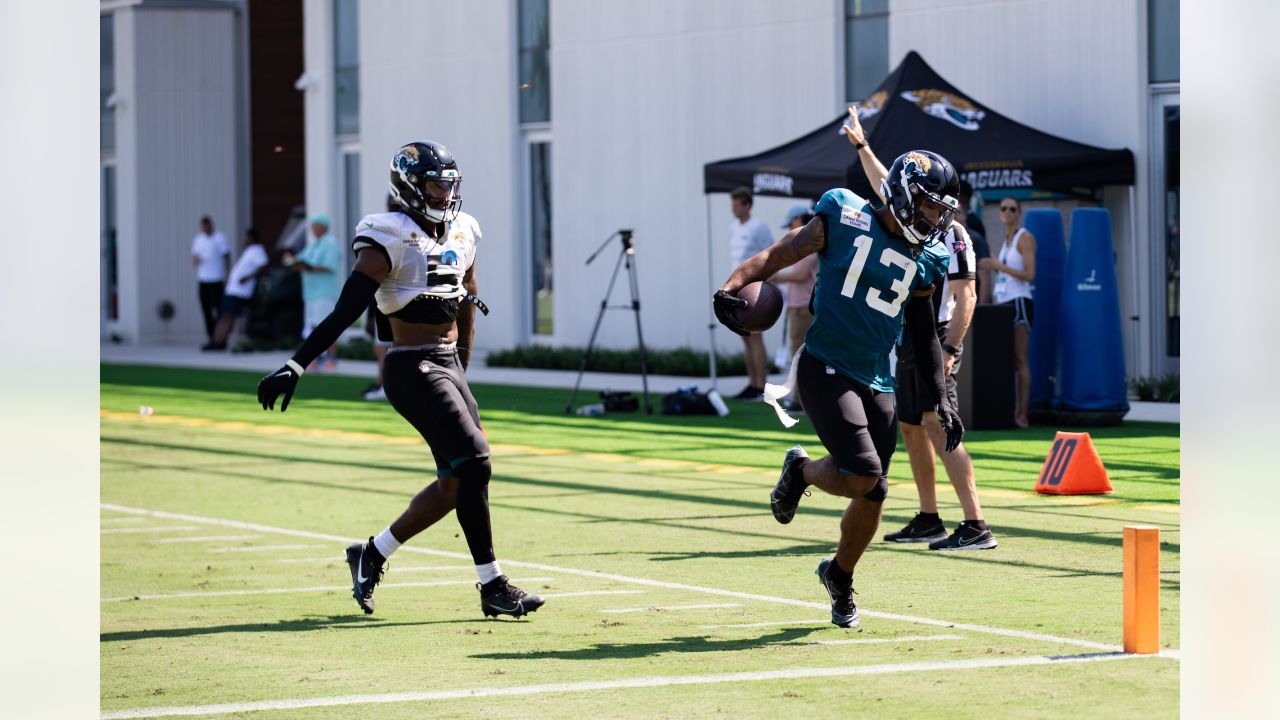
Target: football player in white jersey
(953, 304)
(419, 264)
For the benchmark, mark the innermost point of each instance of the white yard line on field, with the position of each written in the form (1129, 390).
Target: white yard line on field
(879, 640)
(705, 606)
(584, 593)
(261, 548)
(208, 538)
(988, 629)
(171, 528)
(281, 591)
(818, 621)
(626, 683)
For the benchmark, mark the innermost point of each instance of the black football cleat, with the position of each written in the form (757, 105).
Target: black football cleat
(966, 537)
(785, 497)
(844, 613)
(919, 529)
(367, 566)
(500, 597)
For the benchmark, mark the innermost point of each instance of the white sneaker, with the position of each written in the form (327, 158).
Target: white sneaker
(376, 393)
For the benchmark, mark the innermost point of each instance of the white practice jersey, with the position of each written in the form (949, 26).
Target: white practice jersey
(419, 264)
(962, 266)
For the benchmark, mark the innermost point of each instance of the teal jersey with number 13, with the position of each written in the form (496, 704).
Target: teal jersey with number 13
(865, 278)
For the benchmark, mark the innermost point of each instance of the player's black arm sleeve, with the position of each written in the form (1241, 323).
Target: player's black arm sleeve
(354, 300)
(919, 320)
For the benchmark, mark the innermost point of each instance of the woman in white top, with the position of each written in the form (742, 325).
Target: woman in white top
(1015, 270)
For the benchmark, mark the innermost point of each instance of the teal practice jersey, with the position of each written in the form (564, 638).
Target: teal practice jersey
(865, 277)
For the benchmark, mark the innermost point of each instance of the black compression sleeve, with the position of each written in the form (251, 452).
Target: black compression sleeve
(354, 300)
(924, 345)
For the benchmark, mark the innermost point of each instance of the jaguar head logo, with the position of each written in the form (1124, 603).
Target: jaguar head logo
(916, 164)
(946, 106)
(872, 105)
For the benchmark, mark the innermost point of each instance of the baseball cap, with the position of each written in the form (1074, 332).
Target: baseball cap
(794, 212)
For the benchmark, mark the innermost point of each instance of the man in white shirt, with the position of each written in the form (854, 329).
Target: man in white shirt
(748, 236)
(240, 286)
(210, 255)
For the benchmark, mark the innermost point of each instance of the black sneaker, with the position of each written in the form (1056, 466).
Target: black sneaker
(844, 613)
(786, 494)
(750, 392)
(367, 566)
(919, 529)
(499, 597)
(967, 537)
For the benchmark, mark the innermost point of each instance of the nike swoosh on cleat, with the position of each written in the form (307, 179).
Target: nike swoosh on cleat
(360, 578)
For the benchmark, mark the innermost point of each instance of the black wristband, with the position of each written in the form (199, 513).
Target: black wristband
(859, 146)
(952, 350)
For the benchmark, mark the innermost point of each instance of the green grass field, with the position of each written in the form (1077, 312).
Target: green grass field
(672, 591)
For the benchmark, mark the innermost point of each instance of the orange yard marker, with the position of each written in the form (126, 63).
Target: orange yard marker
(1073, 467)
(1141, 589)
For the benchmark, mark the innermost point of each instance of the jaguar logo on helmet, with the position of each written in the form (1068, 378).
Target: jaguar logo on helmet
(916, 163)
(946, 106)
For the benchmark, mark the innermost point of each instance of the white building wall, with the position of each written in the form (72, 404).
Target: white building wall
(176, 157)
(644, 94)
(446, 72)
(318, 128)
(1074, 68)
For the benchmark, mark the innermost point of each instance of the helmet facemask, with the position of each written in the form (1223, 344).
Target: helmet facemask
(441, 197)
(922, 215)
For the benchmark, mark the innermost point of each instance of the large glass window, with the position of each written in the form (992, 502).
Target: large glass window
(1163, 27)
(351, 213)
(346, 66)
(540, 232)
(1172, 203)
(535, 65)
(107, 81)
(110, 264)
(866, 46)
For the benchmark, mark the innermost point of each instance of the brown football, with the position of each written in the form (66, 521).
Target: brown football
(764, 306)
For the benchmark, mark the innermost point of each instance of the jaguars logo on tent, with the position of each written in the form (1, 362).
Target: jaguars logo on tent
(872, 105)
(946, 106)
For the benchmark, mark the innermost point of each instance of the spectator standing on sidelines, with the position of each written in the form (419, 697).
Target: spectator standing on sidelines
(320, 264)
(971, 218)
(953, 303)
(797, 286)
(239, 290)
(211, 257)
(1015, 271)
(747, 237)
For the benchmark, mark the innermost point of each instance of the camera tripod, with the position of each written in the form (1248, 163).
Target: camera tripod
(624, 257)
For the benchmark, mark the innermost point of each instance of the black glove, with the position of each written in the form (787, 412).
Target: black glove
(951, 425)
(281, 382)
(724, 305)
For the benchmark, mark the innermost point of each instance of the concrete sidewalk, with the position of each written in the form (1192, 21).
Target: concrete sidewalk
(265, 362)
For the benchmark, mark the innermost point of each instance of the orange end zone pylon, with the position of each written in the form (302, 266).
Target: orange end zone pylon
(1141, 589)
(1073, 467)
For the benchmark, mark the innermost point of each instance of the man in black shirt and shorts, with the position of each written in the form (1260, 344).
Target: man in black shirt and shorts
(953, 304)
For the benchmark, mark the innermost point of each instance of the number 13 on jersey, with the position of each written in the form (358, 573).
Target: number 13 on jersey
(901, 288)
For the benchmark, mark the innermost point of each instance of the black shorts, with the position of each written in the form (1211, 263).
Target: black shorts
(912, 397)
(427, 387)
(856, 424)
(1023, 311)
(232, 305)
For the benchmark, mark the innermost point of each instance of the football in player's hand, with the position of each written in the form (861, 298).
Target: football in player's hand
(764, 306)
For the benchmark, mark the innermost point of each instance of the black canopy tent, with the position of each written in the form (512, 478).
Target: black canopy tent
(915, 108)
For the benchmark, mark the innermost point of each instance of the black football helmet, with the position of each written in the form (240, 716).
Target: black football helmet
(921, 190)
(425, 180)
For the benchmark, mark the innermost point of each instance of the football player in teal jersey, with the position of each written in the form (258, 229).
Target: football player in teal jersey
(873, 261)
